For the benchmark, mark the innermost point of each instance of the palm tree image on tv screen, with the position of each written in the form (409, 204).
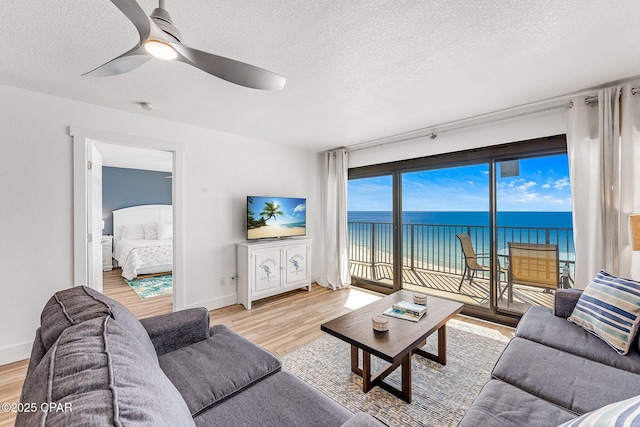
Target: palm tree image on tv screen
(276, 217)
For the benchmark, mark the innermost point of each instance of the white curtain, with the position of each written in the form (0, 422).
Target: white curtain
(630, 182)
(335, 245)
(603, 146)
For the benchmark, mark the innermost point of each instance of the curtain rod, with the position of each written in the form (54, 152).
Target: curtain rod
(591, 99)
(433, 131)
(484, 119)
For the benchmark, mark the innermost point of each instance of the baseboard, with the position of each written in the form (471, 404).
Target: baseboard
(15, 353)
(215, 303)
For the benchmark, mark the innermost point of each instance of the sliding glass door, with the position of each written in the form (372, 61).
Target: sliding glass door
(444, 210)
(534, 230)
(449, 226)
(371, 237)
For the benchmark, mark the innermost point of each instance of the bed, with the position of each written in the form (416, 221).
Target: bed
(143, 240)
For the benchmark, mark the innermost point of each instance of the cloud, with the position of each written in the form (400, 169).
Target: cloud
(527, 198)
(514, 183)
(300, 208)
(562, 183)
(523, 192)
(526, 186)
(559, 184)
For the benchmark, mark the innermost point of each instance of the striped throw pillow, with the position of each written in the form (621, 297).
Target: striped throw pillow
(610, 309)
(624, 413)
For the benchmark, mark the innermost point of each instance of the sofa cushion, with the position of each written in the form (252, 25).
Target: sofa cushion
(67, 308)
(502, 405)
(625, 413)
(101, 375)
(37, 352)
(573, 382)
(279, 400)
(216, 368)
(170, 331)
(540, 325)
(610, 308)
(75, 305)
(564, 301)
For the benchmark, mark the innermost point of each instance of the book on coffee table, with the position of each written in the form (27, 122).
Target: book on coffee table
(411, 308)
(406, 310)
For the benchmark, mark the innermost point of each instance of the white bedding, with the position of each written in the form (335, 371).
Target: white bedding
(139, 255)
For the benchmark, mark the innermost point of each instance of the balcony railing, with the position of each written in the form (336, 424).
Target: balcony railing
(434, 247)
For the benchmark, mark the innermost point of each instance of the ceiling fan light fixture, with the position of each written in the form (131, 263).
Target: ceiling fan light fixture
(159, 38)
(160, 49)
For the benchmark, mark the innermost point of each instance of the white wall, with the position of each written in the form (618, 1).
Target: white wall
(548, 123)
(36, 201)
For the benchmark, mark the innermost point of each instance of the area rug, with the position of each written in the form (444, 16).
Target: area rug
(440, 394)
(152, 286)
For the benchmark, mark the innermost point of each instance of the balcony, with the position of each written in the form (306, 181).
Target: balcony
(433, 263)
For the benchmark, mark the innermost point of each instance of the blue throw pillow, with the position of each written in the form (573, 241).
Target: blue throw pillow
(624, 413)
(610, 309)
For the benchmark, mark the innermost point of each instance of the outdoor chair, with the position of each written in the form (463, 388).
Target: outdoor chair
(532, 264)
(471, 264)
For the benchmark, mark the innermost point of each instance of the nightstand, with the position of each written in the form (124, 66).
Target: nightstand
(107, 252)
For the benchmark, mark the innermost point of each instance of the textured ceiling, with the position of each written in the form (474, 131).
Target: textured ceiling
(356, 70)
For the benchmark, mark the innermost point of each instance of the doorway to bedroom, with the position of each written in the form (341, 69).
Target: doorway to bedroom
(137, 227)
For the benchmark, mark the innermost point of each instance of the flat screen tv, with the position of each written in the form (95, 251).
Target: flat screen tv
(276, 217)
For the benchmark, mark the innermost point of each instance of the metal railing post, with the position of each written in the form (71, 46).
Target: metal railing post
(373, 251)
(412, 248)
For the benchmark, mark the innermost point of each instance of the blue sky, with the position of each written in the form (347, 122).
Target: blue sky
(542, 185)
(293, 209)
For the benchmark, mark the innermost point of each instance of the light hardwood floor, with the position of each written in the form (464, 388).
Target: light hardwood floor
(114, 286)
(281, 324)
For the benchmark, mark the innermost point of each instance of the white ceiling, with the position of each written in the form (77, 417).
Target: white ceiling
(356, 70)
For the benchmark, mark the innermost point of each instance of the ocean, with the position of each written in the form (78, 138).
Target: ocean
(429, 238)
(505, 219)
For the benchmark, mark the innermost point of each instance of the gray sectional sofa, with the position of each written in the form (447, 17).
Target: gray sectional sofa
(553, 371)
(94, 364)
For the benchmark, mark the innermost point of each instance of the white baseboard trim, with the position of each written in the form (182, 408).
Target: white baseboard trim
(15, 353)
(215, 303)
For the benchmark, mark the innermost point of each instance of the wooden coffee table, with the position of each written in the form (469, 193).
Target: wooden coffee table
(396, 346)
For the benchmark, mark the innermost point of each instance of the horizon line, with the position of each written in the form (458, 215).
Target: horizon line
(466, 211)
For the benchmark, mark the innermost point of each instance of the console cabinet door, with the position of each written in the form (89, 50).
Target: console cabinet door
(296, 259)
(267, 269)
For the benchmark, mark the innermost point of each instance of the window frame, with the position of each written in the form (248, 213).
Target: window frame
(491, 155)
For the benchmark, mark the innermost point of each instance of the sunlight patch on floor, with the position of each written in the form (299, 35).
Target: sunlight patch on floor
(358, 298)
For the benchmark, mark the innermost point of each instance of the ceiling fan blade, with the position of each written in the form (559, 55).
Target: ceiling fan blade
(230, 70)
(126, 62)
(136, 15)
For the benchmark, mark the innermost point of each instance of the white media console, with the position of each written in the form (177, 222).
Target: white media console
(267, 268)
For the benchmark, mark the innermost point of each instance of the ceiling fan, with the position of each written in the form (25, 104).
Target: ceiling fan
(159, 38)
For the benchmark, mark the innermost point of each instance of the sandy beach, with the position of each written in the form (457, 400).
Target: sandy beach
(273, 231)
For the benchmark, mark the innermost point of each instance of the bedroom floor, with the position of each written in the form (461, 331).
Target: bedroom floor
(114, 286)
